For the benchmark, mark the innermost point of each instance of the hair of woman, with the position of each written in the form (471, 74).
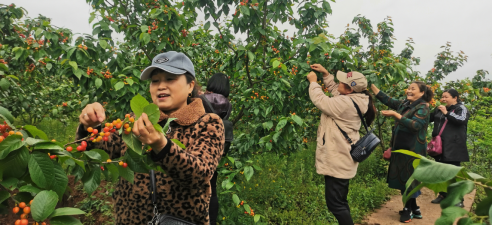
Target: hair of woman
(219, 83)
(370, 115)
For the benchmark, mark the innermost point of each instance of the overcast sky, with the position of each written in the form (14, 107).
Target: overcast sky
(431, 23)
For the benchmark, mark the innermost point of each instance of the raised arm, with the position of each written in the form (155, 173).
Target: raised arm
(329, 106)
(196, 164)
(388, 101)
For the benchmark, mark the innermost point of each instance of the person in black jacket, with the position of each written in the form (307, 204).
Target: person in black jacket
(215, 101)
(453, 137)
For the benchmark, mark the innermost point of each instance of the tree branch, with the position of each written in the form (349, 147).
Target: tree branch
(239, 115)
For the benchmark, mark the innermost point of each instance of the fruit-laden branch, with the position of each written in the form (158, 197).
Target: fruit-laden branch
(222, 35)
(239, 115)
(77, 141)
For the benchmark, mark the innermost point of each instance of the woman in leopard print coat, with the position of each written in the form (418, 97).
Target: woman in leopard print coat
(183, 192)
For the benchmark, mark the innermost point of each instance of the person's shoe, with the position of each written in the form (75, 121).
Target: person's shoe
(416, 213)
(406, 216)
(460, 204)
(438, 199)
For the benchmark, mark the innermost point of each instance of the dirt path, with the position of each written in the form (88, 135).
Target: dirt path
(388, 213)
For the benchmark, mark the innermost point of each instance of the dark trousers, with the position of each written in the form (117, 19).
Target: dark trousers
(444, 194)
(214, 201)
(336, 191)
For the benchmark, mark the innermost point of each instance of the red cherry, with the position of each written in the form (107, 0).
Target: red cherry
(105, 138)
(106, 129)
(95, 131)
(69, 148)
(52, 156)
(83, 144)
(125, 165)
(80, 148)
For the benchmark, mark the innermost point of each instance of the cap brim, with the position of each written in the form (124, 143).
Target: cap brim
(342, 77)
(145, 75)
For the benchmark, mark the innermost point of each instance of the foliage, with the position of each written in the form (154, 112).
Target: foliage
(457, 182)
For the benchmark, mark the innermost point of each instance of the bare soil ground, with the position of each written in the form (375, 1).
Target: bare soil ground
(388, 213)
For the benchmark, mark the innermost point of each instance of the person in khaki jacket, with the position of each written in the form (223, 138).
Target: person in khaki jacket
(333, 158)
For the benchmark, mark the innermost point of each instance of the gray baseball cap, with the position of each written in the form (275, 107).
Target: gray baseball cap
(171, 62)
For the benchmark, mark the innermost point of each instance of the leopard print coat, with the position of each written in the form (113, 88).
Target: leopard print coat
(183, 192)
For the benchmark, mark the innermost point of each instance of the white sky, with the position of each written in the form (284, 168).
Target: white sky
(431, 23)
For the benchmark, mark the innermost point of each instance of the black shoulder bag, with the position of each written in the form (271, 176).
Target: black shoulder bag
(160, 219)
(366, 145)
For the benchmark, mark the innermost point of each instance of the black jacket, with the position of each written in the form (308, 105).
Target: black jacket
(454, 134)
(220, 105)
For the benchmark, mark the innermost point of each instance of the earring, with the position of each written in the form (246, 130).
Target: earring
(189, 96)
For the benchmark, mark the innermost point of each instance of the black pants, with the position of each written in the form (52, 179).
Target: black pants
(213, 211)
(444, 194)
(336, 191)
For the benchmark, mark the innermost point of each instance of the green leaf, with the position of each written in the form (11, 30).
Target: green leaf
(67, 211)
(92, 179)
(433, 172)
(297, 119)
(93, 155)
(236, 200)
(135, 162)
(257, 110)
(285, 82)
(484, 206)
(47, 145)
(133, 143)
(257, 218)
(35, 132)
(245, 10)
(247, 208)
(281, 124)
(98, 82)
(114, 172)
(38, 32)
(449, 215)
(103, 44)
(207, 25)
(231, 159)
(4, 195)
(9, 144)
(126, 173)
(275, 64)
(268, 125)
(146, 38)
(465, 221)
(312, 47)
(456, 192)
(168, 122)
(43, 205)
(10, 183)
(410, 153)
(248, 172)
(119, 85)
(153, 112)
(144, 28)
(41, 169)
(4, 84)
(129, 81)
(65, 220)
(73, 64)
(158, 128)
(61, 180)
(15, 164)
(4, 112)
(251, 56)
(30, 189)
(181, 145)
(138, 104)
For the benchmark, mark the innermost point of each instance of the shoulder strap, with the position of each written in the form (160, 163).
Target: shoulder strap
(444, 125)
(360, 115)
(153, 187)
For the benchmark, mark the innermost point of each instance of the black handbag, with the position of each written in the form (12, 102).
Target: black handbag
(160, 219)
(366, 145)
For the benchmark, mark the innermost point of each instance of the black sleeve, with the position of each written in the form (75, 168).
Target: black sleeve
(459, 116)
(431, 116)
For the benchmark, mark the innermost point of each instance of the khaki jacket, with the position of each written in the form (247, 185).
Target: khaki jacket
(333, 150)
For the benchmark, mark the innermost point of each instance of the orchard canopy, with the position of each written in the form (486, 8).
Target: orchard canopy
(48, 71)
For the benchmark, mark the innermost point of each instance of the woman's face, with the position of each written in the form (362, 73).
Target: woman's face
(170, 92)
(447, 99)
(414, 93)
(344, 89)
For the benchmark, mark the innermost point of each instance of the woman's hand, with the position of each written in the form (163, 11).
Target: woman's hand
(311, 77)
(320, 68)
(443, 109)
(145, 132)
(374, 89)
(92, 115)
(392, 113)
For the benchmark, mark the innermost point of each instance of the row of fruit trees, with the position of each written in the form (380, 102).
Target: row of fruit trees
(47, 71)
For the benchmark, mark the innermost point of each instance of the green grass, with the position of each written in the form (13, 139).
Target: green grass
(289, 191)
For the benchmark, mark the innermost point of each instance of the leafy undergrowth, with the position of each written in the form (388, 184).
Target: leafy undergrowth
(289, 191)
